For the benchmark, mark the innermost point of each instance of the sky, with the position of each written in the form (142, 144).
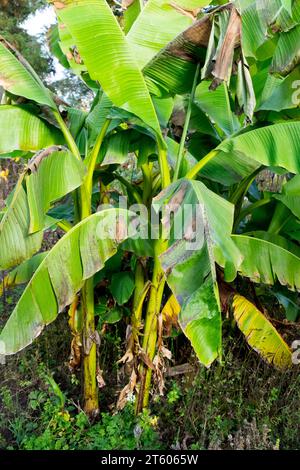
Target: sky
(36, 24)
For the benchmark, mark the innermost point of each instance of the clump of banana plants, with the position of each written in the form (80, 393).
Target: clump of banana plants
(155, 188)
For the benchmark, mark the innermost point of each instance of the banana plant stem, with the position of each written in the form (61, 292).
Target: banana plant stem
(75, 151)
(163, 164)
(91, 163)
(248, 210)
(151, 347)
(139, 285)
(147, 178)
(136, 315)
(186, 126)
(201, 164)
(90, 388)
(133, 191)
(67, 135)
(150, 331)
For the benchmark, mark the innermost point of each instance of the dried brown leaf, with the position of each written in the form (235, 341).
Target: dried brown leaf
(223, 66)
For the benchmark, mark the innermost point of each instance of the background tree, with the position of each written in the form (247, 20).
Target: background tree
(12, 15)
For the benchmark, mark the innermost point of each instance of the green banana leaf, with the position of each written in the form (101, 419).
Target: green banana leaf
(96, 118)
(188, 160)
(200, 320)
(17, 77)
(217, 105)
(276, 145)
(257, 16)
(55, 45)
(16, 243)
(234, 159)
(22, 130)
(290, 195)
(114, 67)
(116, 148)
(191, 277)
(132, 11)
(280, 93)
(192, 203)
(266, 262)
(57, 175)
(149, 34)
(287, 4)
(77, 256)
(47, 180)
(289, 301)
(287, 53)
(261, 334)
(190, 269)
(276, 239)
(23, 273)
(172, 70)
(76, 121)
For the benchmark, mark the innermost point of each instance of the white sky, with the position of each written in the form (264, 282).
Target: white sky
(38, 23)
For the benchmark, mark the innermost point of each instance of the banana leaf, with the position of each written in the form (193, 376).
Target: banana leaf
(22, 130)
(17, 77)
(114, 67)
(21, 228)
(149, 34)
(265, 262)
(260, 333)
(23, 273)
(78, 255)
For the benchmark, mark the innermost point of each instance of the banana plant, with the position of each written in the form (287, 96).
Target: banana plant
(202, 109)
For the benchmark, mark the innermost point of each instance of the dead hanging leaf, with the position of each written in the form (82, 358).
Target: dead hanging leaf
(173, 205)
(186, 12)
(127, 357)
(121, 229)
(160, 369)
(226, 292)
(75, 355)
(126, 4)
(180, 369)
(4, 176)
(245, 92)
(58, 5)
(166, 353)
(100, 380)
(5, 82)
(159, 331)
(40, 156)
(129, 354)
(89, 340)
(159, 362)
(127, 391)
(130, 347)
(170, 314)
(77, 56)
(199, 33)
(223, 66)
(146, 359)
